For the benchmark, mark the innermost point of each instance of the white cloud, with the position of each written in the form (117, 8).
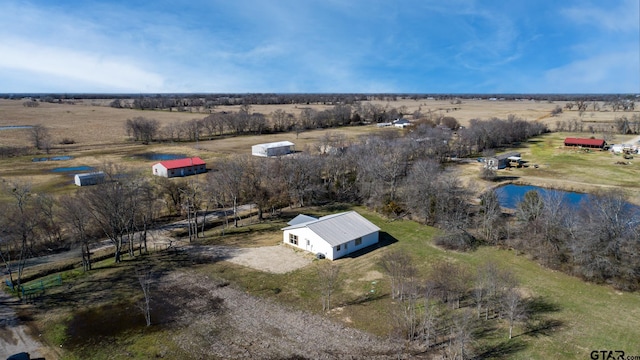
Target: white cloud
(615, 72)
(623, 17)
(99, 70)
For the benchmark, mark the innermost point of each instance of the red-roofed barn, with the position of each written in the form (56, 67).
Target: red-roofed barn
(179, 167)
(588, 143)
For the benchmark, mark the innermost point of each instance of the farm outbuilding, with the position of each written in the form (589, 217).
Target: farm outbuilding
(401, 123)
(86, 179)
(179, 167)
(273, 149)
(333, 236)
(588, 143)
(502, 161)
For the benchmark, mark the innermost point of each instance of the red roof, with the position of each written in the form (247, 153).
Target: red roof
(584, 142)
(181, 163)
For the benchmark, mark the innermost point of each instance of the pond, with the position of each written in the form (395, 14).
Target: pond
(510, 195)
(53, 158)
(14, 127)
(160, 156)
(72, 169)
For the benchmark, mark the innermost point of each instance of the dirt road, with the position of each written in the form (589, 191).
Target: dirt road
(15, 337)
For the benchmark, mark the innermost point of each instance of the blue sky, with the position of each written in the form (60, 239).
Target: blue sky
(345, 46)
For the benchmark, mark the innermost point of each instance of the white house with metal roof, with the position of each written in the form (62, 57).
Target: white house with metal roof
(273, 149)
(333, 236)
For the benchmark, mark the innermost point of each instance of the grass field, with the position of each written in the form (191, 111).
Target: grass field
(584, 316)
(579, 317)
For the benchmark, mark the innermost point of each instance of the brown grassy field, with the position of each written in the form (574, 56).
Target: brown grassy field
(99, 134)
(92, 123)
(100, 137)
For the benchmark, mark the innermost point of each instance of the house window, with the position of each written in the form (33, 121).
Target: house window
(338, 248)
(293, 239)
(358, 241)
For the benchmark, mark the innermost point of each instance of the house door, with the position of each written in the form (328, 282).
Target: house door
(309, 245)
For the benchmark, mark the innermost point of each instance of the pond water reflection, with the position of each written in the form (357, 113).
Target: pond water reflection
(160, 156)
(510, 195)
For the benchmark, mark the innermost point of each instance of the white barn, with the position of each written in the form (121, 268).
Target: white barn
(86, 179)
(273, 149)
(333, 236)
(179, 167)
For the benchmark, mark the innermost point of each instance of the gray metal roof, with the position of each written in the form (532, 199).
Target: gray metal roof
(275, 144)
(301, 219)
(339, 228)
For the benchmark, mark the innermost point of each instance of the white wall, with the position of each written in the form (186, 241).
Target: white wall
(258, 150)
(367, 240)
(159, 170)
(318, 245)
(315, 243)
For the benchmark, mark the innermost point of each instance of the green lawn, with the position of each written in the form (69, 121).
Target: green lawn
(584, 316)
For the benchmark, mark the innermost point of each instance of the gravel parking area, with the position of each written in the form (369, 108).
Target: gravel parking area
(218, 319)
(278, 259)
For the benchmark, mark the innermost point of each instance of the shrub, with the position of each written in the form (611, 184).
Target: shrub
(458, 240)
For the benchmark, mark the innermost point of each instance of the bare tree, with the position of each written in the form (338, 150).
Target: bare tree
(78, 218)
(431, 315)
(230, 181)
(513, 308)
(461, 336)
(490, 217)
(114, 206)
(328, 280)
(41, 137)
(142, 129)
(19, 222)
(397, 264)
(451, 281)
(145, 279)
(192, 199)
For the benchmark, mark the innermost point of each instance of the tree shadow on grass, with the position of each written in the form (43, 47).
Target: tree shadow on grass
(538, 324)
(503, 350)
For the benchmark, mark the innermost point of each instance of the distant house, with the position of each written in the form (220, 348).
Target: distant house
(401, 123)
(273, 149)
(86, 179)
(502, 161)
(333, 236)
(179, 167)
(588, 143)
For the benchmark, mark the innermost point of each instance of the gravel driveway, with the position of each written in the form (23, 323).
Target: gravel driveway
(277, 259)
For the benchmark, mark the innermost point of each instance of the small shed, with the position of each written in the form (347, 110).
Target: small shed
(502, 161)
(273, 149)
(92, 178)
(401, 123)
(588, 143)
(333, 236)
(179, 167)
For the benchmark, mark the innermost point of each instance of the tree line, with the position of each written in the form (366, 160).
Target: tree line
(597, 241)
